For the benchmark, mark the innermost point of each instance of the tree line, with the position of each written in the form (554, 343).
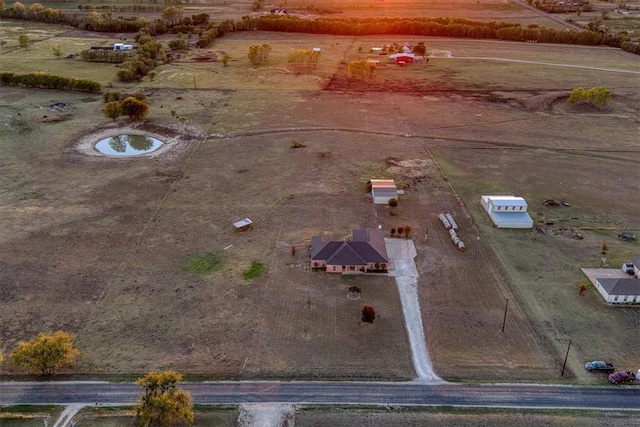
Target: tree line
(50, 81)
(122, 8)
(435, 27)
(173, 21)
(549, 35)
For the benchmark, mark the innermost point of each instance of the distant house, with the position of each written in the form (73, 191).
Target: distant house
(507, 211)
(383, 190)
(365, 252)
(619, 291)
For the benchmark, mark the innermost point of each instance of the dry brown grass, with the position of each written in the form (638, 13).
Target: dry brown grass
(100, 253)
(458, 417)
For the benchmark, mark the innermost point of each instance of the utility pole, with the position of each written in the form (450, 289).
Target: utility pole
(565, 359)
(504, 319)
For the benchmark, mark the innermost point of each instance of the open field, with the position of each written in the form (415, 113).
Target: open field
(487, 10)
(97, 246)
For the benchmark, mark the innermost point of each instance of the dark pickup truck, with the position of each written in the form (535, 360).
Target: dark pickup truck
(621, 377)
(599, 365)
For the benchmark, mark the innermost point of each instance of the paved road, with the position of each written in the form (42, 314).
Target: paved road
(381, 393)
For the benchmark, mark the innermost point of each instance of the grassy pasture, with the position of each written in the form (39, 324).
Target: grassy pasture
(546, 267)
(11, 30)
(39, 58)
(604, 13)
(491, 10)
(112, 249)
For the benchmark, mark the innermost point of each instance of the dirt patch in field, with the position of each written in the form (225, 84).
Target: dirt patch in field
(55, 117)
(341, 81)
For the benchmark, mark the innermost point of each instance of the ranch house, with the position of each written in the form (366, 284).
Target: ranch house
(383, 190)
(636, 266)
(619, 291)
(364, 253)
(507, 211)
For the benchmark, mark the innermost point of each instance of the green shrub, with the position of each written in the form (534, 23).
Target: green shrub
(576, 95)
(112, 95)
(256, 269)
(597, 96)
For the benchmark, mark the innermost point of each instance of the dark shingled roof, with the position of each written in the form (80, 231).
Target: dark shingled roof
(367, 246)
(621, 286)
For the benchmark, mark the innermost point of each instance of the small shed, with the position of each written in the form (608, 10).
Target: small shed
(243, 224)
(383, 190)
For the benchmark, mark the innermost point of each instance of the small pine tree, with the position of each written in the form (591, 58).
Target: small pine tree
(24, 41)
(393, 202)
(57, 50)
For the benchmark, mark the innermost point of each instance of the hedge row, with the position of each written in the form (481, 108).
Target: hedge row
(48, 81)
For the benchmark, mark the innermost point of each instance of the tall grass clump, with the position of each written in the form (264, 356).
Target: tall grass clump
(203, 263)
(256, 269)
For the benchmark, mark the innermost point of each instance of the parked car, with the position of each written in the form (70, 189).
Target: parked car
(628, 268)
(621, 377)
(599, 365)
(627, 235)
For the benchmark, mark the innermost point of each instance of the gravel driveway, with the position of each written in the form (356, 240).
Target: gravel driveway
(401, 253)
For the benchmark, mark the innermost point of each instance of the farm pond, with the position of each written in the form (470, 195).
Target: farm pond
(128, 145)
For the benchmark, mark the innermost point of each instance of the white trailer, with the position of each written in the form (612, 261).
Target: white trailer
(122, 46)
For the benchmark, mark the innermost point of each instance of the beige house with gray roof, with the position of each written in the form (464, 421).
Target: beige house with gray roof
(366, 252)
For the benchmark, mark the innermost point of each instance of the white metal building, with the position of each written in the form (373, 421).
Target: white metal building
(507, 211)
(383, 190)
